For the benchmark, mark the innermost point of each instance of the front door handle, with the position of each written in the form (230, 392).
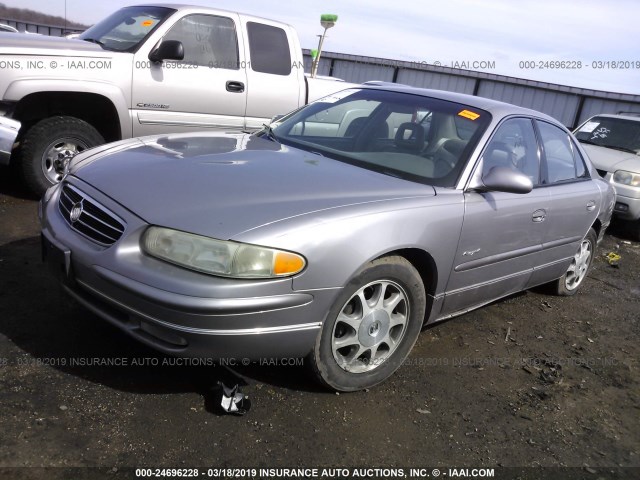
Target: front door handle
(591, 205)
(235, 87)
(539, 216)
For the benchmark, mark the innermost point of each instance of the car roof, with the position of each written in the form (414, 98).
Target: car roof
(496, 108)
(185, 6)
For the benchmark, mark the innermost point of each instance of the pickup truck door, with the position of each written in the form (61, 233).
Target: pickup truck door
(502, 233)
(205, 90)
(274, 70)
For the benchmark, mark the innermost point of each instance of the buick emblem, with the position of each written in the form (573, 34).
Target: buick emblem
(76, 211)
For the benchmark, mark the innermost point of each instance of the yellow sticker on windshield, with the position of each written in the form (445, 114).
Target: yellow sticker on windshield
(147, 23)
(469, 114)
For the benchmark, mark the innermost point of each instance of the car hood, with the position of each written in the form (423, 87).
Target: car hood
(611, 160)
(221, 185)
(35, 44)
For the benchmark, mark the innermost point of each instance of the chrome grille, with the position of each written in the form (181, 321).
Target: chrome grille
(88, 217)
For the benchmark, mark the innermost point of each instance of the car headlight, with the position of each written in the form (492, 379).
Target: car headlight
(218, 257)
(627, 178)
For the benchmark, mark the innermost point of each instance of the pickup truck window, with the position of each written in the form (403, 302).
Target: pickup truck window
(208, 41)
(126, 29)
(269, 49)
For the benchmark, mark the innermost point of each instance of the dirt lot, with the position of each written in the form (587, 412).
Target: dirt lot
(533, 381)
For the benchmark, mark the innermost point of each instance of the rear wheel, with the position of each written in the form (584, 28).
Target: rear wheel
(579, 268)
(49, 145)
(372, 326)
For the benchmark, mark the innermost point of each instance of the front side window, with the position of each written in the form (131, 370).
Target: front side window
(514, 146)
(563, 163)
(208, 40)
(404, 135)
(125, 30)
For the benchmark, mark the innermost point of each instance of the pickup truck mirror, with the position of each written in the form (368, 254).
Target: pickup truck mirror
(167, 50)
(505, 179)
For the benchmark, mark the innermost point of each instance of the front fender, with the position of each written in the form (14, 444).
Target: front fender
(19, 89)
(338, 242)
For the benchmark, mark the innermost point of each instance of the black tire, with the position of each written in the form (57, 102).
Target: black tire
(392, 326)
(48, 143)
(570, 282)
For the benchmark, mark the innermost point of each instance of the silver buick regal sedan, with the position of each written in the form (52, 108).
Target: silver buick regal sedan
(335, 233)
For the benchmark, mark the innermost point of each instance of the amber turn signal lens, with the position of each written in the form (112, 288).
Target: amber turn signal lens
(287, 263)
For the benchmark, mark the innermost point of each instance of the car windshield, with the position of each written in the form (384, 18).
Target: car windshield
(418, 138)
(124, 30)
(611, 132)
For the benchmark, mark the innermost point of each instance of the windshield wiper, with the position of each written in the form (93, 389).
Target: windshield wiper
(268, 132)
(94, 40)
(589, 142)
(612, 147)
(622, 149)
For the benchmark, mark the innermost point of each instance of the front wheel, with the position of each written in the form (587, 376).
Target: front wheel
(49, 145)
(372, 326)
(579, 268)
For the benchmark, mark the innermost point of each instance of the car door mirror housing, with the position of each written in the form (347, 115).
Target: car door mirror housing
(167, 50)
(505, 179)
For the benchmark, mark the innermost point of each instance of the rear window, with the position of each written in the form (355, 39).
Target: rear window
(269, 49)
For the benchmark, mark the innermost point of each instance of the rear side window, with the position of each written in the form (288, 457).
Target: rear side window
(563, 161)
(269, 49)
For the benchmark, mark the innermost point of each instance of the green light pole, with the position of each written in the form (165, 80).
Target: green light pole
(327, 20)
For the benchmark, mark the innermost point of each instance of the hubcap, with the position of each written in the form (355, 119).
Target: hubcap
(58, 154)
(579, 265)
(370, 326)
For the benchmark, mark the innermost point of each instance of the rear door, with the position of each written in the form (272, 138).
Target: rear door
(276, 81)
(205, 90)
(574, 201)
(502, 233)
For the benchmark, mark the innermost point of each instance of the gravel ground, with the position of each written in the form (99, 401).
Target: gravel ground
(533, 381)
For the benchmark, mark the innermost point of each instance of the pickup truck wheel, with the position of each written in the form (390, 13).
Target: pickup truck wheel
(372, 326)
(49, 145)
(579, 268)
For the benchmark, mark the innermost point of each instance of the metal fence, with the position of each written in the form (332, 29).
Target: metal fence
(570, 105)
(42, 29)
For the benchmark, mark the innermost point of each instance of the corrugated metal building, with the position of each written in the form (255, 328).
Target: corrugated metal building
(570, 105)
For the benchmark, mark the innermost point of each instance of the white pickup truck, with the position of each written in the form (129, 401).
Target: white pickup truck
(144, 70)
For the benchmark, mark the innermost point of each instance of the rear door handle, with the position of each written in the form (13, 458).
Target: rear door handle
(539, 216)
(591, 206)
(235, 87)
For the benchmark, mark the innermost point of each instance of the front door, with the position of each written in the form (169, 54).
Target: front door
(502, 233)
(205, 90)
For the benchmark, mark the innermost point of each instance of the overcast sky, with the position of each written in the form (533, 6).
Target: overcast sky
(504, 31)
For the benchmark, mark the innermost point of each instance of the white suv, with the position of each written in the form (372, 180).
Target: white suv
(613, 145)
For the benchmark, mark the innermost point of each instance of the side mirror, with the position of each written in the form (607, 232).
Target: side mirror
(505, 179)
(167, 50)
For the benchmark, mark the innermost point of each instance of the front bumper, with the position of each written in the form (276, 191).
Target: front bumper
(8, 133)
(174, 310)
